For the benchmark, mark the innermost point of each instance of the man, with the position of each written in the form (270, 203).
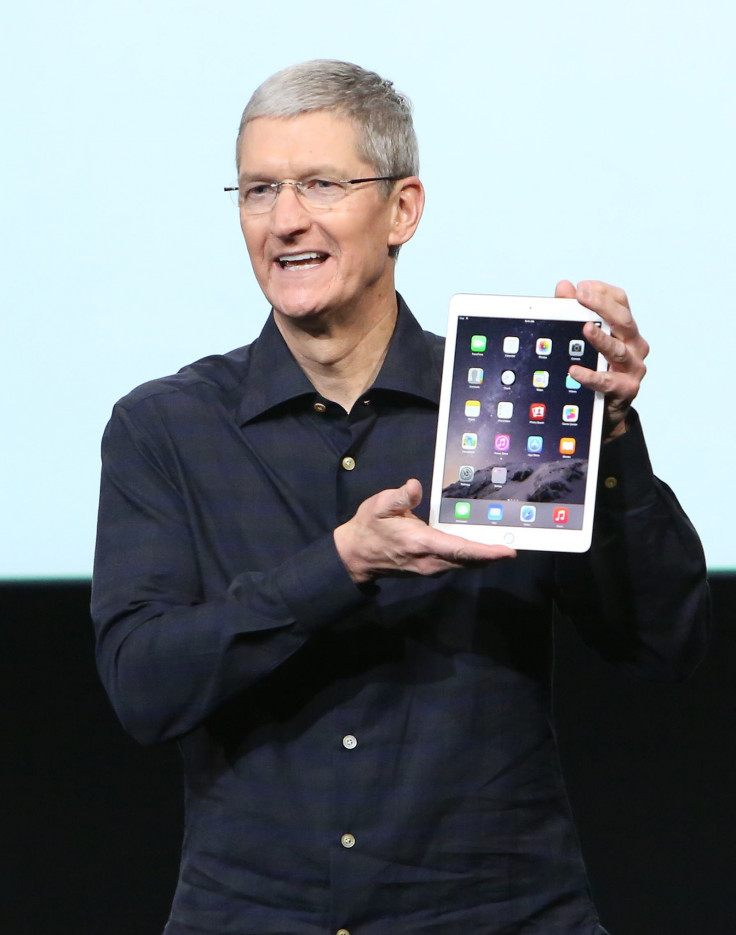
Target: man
(362, 702)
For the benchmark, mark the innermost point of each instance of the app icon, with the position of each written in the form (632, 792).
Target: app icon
(537, 412)
(528, 513)
(475, 375)
(508, 377)
(571, 383)
(502, 442)
(544, 347)
(511, 345)
(498, 475)
(495, 512)
(462, 510)
(472, 407)
(576, 347)
(560, 514)
(478, 343)
(470, 441)
(567, 446)
(570, 413)
(540, 379)
(534, 444)
(466, 473)
(505, 410)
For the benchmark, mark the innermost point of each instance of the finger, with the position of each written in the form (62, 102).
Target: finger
(432, 565)
(400, 501)
(616, 345)
(612, 304)
(565, 290)
(459, 551)
(414, 492)
(465, 557)
(619, 387)
(618, 353)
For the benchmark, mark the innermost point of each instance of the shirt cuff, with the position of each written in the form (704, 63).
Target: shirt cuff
(625, 477)
(316, 587)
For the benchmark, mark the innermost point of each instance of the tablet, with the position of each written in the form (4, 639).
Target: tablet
(518, 439)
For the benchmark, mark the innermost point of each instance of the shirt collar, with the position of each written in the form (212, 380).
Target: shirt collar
(413, 366)
(413, 363)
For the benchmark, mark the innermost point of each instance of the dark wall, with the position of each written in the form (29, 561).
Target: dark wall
(91, 823)
(651, 771)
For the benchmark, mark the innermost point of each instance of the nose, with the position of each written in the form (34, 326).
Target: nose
(288, 216)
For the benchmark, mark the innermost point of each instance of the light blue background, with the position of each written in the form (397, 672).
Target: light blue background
(568, 140)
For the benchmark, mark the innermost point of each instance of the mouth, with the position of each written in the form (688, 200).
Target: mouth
(301, 260)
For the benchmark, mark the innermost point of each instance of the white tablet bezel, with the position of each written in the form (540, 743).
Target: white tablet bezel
(560, 538)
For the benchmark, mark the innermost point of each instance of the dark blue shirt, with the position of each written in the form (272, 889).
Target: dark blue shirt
(366, 760)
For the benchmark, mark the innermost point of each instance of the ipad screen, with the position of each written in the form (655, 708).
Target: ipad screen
(519, 427)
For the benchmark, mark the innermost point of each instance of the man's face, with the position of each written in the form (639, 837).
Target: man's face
(352, 273)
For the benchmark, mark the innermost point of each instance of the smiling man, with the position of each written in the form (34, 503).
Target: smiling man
(323, 254)
(362, 702)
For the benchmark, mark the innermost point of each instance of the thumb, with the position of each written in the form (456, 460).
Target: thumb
(565, 290)
(404, 498)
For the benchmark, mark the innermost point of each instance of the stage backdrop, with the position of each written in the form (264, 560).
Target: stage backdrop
(558, 140)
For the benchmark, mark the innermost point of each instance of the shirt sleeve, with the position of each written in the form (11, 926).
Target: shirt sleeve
(640, 594)
(168, 655)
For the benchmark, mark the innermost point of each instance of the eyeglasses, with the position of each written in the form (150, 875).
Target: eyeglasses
(260, 197)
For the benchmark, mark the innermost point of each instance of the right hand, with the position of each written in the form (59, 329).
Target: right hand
(385, 538)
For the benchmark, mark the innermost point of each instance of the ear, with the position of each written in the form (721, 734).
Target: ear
(408, 204)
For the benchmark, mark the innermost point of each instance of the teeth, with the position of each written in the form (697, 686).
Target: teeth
(292, 257)
(301, 258)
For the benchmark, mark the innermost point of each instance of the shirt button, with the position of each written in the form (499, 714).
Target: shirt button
(348, 463)
(320, 407)
(347, 840)
(349, 742)
(342, 932)
(610, 482)
(366, 402)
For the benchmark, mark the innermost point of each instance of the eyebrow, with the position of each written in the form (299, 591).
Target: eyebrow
(322, 171)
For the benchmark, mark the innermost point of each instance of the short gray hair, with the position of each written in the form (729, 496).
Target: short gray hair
(381, 115)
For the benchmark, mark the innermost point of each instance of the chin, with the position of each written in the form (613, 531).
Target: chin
(299, 310)
(299, 303)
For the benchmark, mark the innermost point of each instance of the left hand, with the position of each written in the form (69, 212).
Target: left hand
(624, 349)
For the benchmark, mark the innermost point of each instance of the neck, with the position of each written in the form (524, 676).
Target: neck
(342, 357)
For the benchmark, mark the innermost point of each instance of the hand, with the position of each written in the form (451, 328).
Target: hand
(386, 538)
(624, 349)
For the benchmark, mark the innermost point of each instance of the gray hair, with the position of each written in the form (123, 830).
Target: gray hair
(381, 115)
